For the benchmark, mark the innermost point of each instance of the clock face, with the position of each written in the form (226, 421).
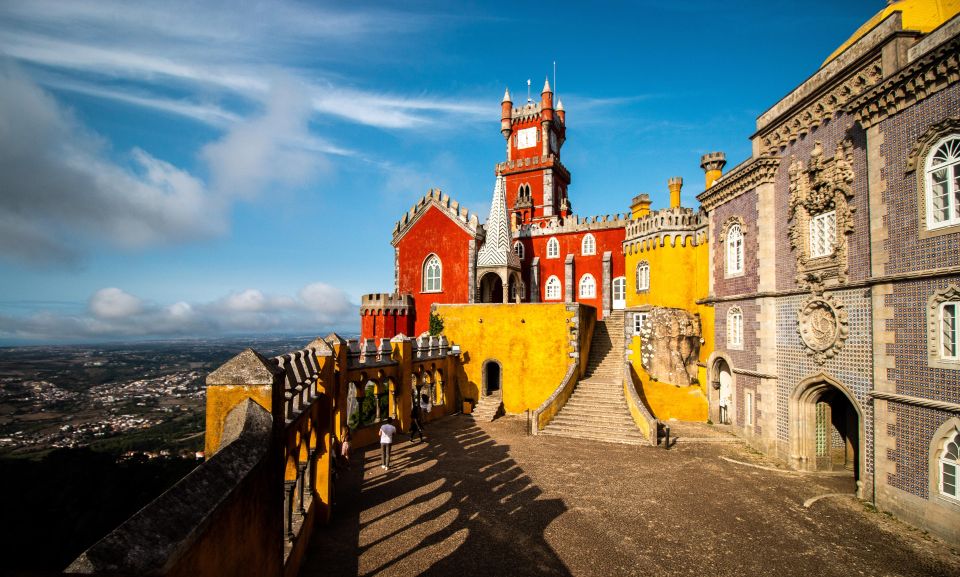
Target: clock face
(527, 138)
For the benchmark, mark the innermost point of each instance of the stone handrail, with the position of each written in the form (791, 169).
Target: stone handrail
(549, 408)
(209, 509)
(638, 410)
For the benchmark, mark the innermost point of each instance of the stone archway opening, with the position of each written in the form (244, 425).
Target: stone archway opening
(492, 377)
(828, 429)
(491, 288)
(721, 393)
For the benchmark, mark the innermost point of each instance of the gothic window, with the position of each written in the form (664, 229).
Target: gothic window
(823, 234)
(643, 276)
(589, 245)
(735, 328)
(431, 274)
(639, 319)
(518, 249)
(942, 183)
(588, 287)
(943, 333)
(949, 462)
(734, 250)
(948, 331)
(553, 248)
(553, 289)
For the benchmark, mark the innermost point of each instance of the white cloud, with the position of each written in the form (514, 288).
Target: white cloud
(113, 303)
(114, 313)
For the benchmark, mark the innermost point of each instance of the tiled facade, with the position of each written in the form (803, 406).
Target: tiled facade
(863, 352)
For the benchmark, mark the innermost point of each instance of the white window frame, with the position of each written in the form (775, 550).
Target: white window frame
(823, 234)
(734, 250)
(643, 276)
(432, 284)
(518, 249)
(622, 283)
(954, 331)
(553, 247)
(639, 319)
(945, 460)
(588, 246)
(557, 289)
(587, 282)
(948, 148)
(748, 409)
(735, 328)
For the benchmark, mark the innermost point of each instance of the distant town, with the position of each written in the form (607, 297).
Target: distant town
(143, 400)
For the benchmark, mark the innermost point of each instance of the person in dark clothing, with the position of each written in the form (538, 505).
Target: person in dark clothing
(416, 426)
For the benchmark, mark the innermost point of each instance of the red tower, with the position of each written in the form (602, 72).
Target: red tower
(536, 181)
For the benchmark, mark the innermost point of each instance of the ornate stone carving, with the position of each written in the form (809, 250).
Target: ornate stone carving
(818, 188)
(671, 345)
(822, 109)
(933, 134)
(745, 177)
(823, 327)
(951, 293)
(730, 222)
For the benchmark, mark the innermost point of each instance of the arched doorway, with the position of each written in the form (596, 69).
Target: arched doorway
(492, 377)
(491, 288)
(721, 393)
(827, 428)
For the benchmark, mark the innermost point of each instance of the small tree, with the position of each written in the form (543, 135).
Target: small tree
(436, 324)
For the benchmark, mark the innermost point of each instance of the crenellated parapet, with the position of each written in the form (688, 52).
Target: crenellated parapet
(575, 224)
(436, 198)
(386, 304)
(532, 163)
(676, 225)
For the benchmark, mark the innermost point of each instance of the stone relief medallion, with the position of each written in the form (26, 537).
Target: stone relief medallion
(823, 327)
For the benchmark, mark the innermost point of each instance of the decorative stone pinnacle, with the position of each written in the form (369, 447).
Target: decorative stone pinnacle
(546, 86)
(560, 106)
(506, 96)
(713, 161)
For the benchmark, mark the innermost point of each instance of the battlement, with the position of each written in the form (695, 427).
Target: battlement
(532, 163)
(436, 197)
(527, 112)
(574, 223)
(386, 303)
(667, 223)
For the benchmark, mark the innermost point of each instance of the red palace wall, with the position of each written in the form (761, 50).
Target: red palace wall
(512, 183)
(570, 243)
(379, 325)
(434, 233)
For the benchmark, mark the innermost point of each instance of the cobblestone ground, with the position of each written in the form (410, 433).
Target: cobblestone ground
(489, 500)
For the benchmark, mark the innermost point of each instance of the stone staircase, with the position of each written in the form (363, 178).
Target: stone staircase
(597, 409)
(487, 408)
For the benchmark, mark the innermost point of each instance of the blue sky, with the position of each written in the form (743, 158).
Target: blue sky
(180, 168)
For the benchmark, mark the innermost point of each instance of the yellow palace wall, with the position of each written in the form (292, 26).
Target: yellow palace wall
(531, 341)
(678, 278)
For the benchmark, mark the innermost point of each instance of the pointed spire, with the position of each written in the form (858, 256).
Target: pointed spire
(506, 96)
(560, 106)
(497, 249)
(546, 86)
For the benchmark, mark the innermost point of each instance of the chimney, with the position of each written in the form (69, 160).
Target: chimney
(712, 164)
(675, 184)
(640, 207)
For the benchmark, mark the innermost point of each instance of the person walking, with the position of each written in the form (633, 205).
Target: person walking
(387, 431)
(345, 448)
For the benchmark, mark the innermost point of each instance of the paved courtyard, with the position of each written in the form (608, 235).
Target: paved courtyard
(489, 500)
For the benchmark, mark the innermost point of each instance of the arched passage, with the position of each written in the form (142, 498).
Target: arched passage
(491, 288)
(827, 430)
(721, 392)
(492, 377)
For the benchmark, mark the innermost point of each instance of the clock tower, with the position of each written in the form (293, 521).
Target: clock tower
(536, 182)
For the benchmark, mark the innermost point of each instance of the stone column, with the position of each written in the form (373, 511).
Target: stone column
(548, 192)
(535, 280)
(569, 282)
(472, 270)
(607, 279)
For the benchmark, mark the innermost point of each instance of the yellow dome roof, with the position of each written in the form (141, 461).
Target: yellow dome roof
(920, 15)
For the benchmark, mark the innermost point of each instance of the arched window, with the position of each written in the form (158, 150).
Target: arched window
(518, 249)
(553, 248)
(553, 289)
(432, 272)
(588, 246)
(949, 349)
(643, 276)
(949, 462)
(734, 250)
(588, 287)
(942, 183)
(735, 328)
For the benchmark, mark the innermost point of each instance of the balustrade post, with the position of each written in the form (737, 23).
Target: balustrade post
(301, 481)
(288, 494)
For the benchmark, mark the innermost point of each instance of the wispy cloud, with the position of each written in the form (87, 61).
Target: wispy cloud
(112, 313)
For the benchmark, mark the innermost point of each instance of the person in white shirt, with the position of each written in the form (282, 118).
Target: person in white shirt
(387, 431)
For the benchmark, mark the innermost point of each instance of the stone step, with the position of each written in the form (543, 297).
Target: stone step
(621, 439)
(593, 410)
(598, 425)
